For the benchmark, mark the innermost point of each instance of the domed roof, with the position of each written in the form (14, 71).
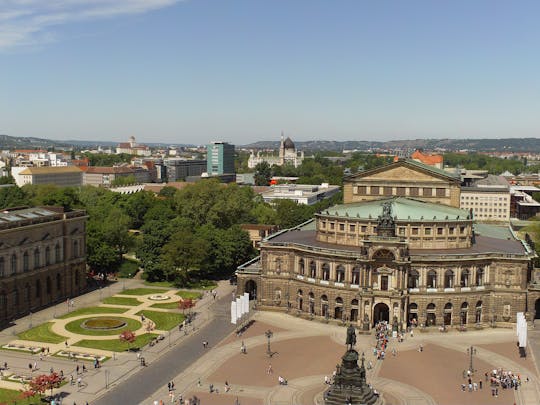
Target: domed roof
(288, 144)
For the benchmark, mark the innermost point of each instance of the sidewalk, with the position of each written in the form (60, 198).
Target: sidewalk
(119, 368)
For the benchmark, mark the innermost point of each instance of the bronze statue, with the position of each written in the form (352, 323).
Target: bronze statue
(351, 337)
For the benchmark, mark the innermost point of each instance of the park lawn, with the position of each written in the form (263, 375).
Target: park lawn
(194, 295)
(115, 345)
(93, 310)
(166, 305)
(133, 302)
(168, 284)
(75, 327)
(203, 285)
(144, 291)
(14, 397)
(163, 320)
(42, 333)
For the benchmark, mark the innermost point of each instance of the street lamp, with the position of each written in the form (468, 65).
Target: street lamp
(269, 334)
(106, 379)
(471, 351)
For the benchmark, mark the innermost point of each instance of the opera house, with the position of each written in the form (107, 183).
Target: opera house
(399, 249)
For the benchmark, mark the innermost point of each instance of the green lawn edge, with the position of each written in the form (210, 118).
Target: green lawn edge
(143, 291)
(128, 301)
(163, 320)
(75, 327)
(194, 295)
(94, 310)
(166, 305)
(42, 333)
(115, 345)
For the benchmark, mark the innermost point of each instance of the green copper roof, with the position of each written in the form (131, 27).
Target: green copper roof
(403, 208)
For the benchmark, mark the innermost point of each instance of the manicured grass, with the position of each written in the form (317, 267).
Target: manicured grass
(143, 291)
(122, 301)
(194, 295)
(75, 327)
(14, 397)
(166, 305)
(42, 333)
(163, 320)
(115, 345)
(167, 284)
(93, 310)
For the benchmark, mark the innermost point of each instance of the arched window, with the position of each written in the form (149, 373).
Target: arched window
(431, 316)
(301, 266)
(48, 285)
(324, 305)
(448, 306)
(16, 298)
(340, 274)
(26, 262)
(478, 312)
(13, 263)
(300, 299)
(312, 269)
(27, 292)
(57, 256)
(480, 276)
(47, 256)
(413, 307)
(38, 288)
(37, 261)
(413, 279)
(464, 279)
(325, 271)
(354, 302)
(2, 267)
(339, 301)
(463, 313)
(448, 279)
(432, 279)
(355, 276)
(76, 278)
(58, 282)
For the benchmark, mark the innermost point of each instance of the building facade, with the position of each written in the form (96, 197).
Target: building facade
(68, 176)
(42, 259)
(287, 155)
(394, 259)
(179, 169)
(403, 178)
(405, 257)
(220, 158)
(300, 193)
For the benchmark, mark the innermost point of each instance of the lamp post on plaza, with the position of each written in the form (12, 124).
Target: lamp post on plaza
(269, 335)
(471, 351)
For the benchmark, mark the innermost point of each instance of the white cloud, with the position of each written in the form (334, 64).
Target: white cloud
(28, 22)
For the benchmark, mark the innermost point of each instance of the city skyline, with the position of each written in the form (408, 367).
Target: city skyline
(196, 71)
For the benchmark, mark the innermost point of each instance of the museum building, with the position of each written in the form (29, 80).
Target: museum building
(42, 259)
(398, 256)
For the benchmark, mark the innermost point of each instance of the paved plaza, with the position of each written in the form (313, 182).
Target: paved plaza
(307, 351)
(303, 352)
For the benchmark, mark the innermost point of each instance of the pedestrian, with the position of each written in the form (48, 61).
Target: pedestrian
(243, 348)
(326, 380)
(30, 366)
(480, 384)
(79, 380)
(169, 386)
(71, 380)
(66, 343)
(172, 385)
(83, 368)
(62, 373)
(5, 368)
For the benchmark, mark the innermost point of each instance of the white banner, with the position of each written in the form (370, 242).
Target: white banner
(233, 312)
(246, 302)
(238, 308)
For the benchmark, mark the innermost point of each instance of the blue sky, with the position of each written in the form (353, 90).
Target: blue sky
(196, 70)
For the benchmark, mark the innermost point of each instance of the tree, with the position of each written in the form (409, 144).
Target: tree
(186, 304)
(41, 383)
(128, 337)
(263, 174)
(124, 180)
(290, 213)
(13, 197)
(184, 252)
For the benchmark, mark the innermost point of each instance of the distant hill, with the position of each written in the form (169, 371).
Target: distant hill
(480, 145)
(19, 142)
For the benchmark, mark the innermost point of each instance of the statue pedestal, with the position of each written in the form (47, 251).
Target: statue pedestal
(365, 326)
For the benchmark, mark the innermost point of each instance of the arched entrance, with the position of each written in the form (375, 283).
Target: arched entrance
(537, 309)
(251, 288)
(381, 312)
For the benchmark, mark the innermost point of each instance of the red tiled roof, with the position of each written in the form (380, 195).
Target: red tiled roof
(427, 159)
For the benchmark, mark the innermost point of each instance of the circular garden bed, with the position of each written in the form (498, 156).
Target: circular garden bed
(102, 325)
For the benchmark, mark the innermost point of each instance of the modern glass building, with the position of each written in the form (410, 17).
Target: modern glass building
(220, 158)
